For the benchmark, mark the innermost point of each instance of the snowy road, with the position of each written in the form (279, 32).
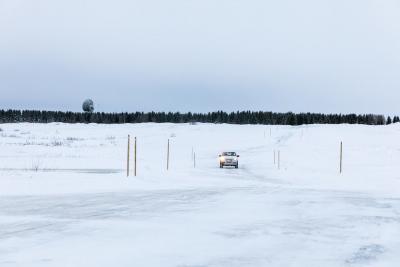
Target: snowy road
(238, 226)
(254, 216)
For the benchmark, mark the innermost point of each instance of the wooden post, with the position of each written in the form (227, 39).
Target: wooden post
(135, 154)
(274, 157)
(279, 159)
(168, 156)
(341, 158)
(194, 160)
(127, 161)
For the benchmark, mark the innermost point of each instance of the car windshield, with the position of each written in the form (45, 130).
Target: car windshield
(229, 154)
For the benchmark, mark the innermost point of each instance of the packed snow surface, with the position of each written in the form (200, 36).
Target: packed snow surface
(65, 199)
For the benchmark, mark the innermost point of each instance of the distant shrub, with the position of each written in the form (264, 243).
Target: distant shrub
(71, 139)
(28, 143)
(56, 143)
(36, 165)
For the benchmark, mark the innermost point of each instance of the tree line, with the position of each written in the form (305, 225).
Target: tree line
(239, 117)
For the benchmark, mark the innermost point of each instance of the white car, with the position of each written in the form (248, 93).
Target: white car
(229, 159)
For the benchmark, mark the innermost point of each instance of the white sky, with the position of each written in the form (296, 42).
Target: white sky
(204, 55)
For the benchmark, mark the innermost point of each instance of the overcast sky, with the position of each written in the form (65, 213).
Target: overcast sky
(201, 55)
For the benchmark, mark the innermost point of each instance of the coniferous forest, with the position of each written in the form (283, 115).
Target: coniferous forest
(240, 117)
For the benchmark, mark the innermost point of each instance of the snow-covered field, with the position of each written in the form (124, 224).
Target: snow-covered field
(65, 199)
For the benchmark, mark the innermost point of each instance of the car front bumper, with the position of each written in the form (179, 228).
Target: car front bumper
(229, 163)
